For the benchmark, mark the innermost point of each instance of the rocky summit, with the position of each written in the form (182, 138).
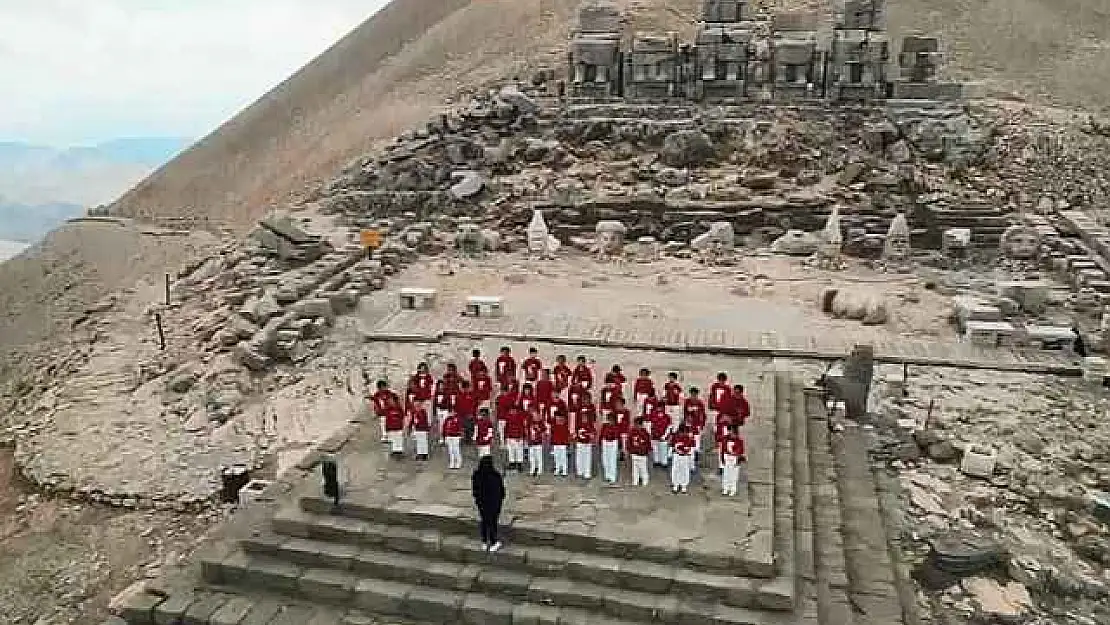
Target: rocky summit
(907, 274)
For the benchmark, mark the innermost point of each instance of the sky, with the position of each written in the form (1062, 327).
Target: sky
(80, 72)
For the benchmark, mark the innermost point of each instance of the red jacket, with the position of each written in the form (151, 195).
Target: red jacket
(624, 419)
(465, 403)
(683, 444)
(545, 391)
(506, 368)
(650, 404)
(576, 398)
(608, 395)
(394, 419)
(536, 432)
(562, 374)
(515, 425)
(582, 373)
(719, 392)
(531, 367)
(639, 442)
(483, 387)
(505, 403)
(721, 430)
(587, 414)
(477, 366)
(693, 412)
(660, 421)
(452, 426)
(585, 433)
(560, 434)
(420, 421)
(443, 399)
(382, 400)
(527, 402)
(643, 386)
(423, 384)
(555, 408)
(732, 445)
(672, 393)
(483, 431)
(451, 382)
(610, 432)
(616, 379)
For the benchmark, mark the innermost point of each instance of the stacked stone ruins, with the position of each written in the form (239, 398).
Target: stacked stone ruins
(739, 55)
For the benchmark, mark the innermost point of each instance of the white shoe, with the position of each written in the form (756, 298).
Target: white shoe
(495, 547)
(683, 489)
(485, 547)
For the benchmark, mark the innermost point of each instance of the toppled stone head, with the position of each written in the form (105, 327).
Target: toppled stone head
(610, 237)
(1020, 243)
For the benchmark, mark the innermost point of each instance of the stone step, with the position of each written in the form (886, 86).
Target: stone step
(467, 594)
(320, 541)
(450, 520)
(209, 607)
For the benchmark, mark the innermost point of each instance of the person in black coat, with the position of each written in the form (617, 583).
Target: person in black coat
(489, 492)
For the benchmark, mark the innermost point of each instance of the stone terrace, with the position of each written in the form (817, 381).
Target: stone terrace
(403, 545)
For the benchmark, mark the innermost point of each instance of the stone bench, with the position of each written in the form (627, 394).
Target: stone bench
(484, 306)
(417, 298)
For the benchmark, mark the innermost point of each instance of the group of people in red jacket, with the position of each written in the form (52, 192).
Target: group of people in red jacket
(539, 411)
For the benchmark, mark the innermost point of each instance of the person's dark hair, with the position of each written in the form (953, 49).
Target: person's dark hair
(616, 369)
(639, 421)
(682, 429)
(506, 350)
(738, 388)
(694, 390)
(722, 376)
(581, 359)
(673, 375)
(733, 428)
(645, 371)
(477, 353)
(382, 384)
(533, 350)
(483, 412)
(485, 465)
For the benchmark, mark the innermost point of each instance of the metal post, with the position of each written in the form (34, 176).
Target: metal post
(167, 289)
(161, 333)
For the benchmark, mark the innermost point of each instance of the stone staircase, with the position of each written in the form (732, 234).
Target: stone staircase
(421, 562)
(986, 221)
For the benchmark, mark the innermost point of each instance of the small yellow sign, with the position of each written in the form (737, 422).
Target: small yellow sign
(371, 239)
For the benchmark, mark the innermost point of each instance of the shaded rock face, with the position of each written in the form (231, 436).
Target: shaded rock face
(796, 243)
(687, 148)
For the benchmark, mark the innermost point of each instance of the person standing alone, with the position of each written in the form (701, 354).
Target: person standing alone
(488, 489)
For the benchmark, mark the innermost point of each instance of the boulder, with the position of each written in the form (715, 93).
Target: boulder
(687, 148)
(721, 235)
(671, 177)
(796, 243)
(520, 101)
(466, 185)
(760, 182)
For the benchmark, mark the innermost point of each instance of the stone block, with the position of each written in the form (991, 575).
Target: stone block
(503, 582)
(315, 307)
(202, 609)
(645, 576)
(271, 574)
(630, 605)
(595, 569)
(444, 575)
(530, 614)
(262, 613)
(433, 605)
(292, 615)
(232, 612)
(381, 597)
(394, 566)
(463, 549)
(317, 554)
(136, 605)
(327, 585)
(547, 561)
(482, 610)
(172, 610)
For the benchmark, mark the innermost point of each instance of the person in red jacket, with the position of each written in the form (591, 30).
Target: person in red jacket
(720, 431)
(527, 400)
(672, 398)
(465, 408)
(610, 436)
(639, 447)
(683, 445)
(483, 433)
(586, 413)
(421, 431)
(560, 441)
(585, 434)
(483, 389)
(516, 426)
(583, 376)
(423, 384)
(660, 435)
(577, 397)
(732, 455)
(719, 392)
(642, 388)
(443, 401)
(616, 378)
(382, 398)
(451, 378)
(452, 435)
(651, 402)
(537, 431)
(532, 366)
(561, 373)
(477, 365)
(741, 407)
(623, 417)
(506, 401)
(605, 398)
(694, 416)
(545, 390)
(395, 428)
(505, 366)
(554, 409)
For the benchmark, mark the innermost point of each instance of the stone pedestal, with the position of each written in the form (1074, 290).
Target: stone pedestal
(484, 306)
(417, 299)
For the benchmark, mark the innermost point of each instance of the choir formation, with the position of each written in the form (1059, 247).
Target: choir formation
(540, 411)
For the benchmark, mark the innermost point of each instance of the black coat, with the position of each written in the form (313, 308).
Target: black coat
(487, 487)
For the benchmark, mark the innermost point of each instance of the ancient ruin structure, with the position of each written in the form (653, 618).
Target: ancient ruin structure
(738, 55)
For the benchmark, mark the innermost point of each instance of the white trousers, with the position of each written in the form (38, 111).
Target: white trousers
(396, 441)
(680, 471)
(609, 451)
(584, 460)
(640, 473)
(516, 449)
(535, 459)
(381, 422)
(420, 441)
(559, 455)
(500, 429)
(454, 452)
(660, 451)
(731, 478)
(640, 399)
(485, 450)
(441, 416)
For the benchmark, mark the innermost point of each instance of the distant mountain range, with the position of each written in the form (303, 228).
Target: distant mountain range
(41, 186)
